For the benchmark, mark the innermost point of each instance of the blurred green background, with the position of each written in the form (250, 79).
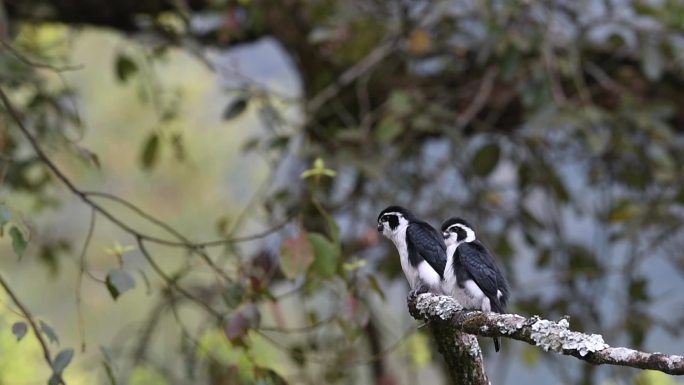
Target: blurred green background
(554, 127)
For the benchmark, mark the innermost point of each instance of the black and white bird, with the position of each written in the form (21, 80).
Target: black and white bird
(421, 247)
(472, 276)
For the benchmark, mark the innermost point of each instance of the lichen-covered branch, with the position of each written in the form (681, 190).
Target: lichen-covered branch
(461, 351)
(548, 335)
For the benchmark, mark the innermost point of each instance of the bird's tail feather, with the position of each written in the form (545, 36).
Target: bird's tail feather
(496, 343)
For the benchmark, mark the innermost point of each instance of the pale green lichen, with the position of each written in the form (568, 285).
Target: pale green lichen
(510, 323)
(437, 305)
(556, 336)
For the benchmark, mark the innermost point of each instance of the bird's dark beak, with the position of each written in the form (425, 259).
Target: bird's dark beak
(380, 227)
(445, 235)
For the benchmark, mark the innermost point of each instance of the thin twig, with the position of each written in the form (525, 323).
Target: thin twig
(79, 279)
(483, 92)
(27, 314)
(378, 54)
(172, 282)
(299, 329)
(36, 64)
(183, 240)
(84, 196)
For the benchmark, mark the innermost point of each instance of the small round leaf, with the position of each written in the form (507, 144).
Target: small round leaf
(486, 159)
(19, 329)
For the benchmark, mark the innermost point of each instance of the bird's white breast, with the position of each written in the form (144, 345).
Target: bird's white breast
(398, 237)
(450, 283)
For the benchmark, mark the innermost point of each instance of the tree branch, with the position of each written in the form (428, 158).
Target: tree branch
(86, 196)
(445, 313)
(36, 330)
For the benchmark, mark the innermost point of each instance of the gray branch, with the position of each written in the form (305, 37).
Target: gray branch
(448, 317)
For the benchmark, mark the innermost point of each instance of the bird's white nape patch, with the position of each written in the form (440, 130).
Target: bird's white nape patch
(428, 275)
(395, 213)
(470, 234)
(399, 232)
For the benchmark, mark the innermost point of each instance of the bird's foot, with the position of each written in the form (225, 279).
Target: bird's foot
(413, 294)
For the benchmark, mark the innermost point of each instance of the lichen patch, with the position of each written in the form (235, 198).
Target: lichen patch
(556, 336)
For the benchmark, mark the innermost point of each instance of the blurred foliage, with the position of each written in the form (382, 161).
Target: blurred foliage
(555, 127)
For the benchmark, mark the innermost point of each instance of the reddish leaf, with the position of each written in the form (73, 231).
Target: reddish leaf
(296, 255)
(248, 317)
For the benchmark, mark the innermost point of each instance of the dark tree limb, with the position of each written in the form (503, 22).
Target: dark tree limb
(461, 351)
(446, 314)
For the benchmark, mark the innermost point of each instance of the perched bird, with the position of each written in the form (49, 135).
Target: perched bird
(422, 251)
(472, 276)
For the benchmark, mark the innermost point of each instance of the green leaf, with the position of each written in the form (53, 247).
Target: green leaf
(49, 332)
(296, 255)
(317, 170)
(582, 260)
(267, 376)
(19, 329)
(118, 282)
(623, 211)
(236, 107)
(354, 264)
(18, 241)
(638, 290)
(150, 151)
(400, 103)
(419, 347)
(142, 375)
(326, 255)
(652, 377)
(486, 159)
(89, 156)
(233, 295)
(544, 258)
(388, 129)
(125, 67)
(530, 355)
(62, 360)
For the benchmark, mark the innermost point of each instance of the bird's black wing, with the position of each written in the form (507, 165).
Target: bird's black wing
(481, 267)
(425, 243)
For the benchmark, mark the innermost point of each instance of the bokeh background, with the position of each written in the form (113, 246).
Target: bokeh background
(280, 129)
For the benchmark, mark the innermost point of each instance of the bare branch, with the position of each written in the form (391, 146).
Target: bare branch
(79, 279)
(21, 57)
(480, 99)
(378, 54)
(446, 313)
(85, 196)
(27, 314)
(172, 282)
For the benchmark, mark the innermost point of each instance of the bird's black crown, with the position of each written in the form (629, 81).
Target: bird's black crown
(398, 209)
(453, 221)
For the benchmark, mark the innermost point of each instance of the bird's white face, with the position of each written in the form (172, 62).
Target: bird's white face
(391, 224)
(458, 233)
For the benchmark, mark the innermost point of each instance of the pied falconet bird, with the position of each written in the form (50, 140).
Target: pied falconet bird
(421, 248)
(472, 276)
